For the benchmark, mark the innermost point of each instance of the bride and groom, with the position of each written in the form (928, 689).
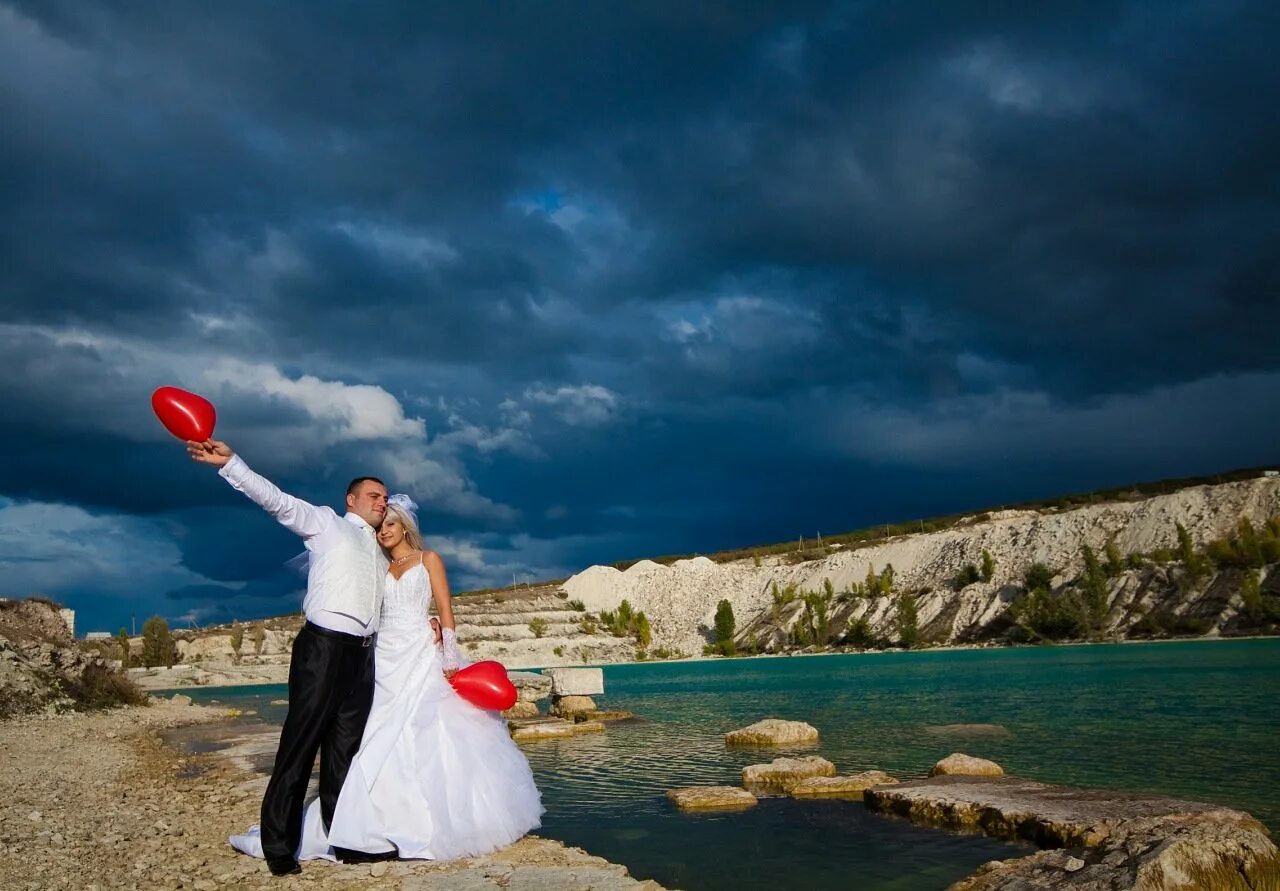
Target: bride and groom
(407, 768)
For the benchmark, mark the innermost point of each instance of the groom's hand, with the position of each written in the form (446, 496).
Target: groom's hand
(211, 451)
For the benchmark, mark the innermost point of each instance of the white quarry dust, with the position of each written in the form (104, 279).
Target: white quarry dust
(682, 598)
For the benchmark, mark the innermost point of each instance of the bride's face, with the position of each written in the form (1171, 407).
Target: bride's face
(391, 533)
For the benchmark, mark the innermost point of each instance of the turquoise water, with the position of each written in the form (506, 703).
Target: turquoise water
(1198, 720)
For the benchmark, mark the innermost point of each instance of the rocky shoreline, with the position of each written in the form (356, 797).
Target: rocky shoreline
(98, 800)
(1095, 839)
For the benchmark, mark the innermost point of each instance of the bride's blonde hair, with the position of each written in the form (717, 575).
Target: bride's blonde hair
(411, 533)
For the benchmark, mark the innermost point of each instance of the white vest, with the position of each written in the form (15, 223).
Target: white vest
(346, 575)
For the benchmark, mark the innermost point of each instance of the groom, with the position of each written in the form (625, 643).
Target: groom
(331, 669)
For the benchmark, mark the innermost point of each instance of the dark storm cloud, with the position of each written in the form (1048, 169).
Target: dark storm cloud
(624, 264)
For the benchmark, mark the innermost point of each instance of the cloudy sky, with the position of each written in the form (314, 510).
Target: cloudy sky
(595, 282)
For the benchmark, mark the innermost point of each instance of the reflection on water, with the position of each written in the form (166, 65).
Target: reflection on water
(1197, 720)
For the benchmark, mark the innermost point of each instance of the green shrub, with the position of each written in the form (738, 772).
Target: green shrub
(1039, 576)
(237, 639)
(1044, 615)
(725, 625)
(908, 632)
(644, 634)
(122, 641)
(158, 647)
(967, 576)
(858, 634)
(538, 626)
(1115, 563)
(1187, 553)
(577, 606)
(1094, 586)
(988, 565)
(99, 687)
(259, 638)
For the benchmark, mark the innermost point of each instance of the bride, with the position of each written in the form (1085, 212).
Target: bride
(436, 777)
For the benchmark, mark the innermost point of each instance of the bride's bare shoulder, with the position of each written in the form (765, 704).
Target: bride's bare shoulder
(432, 559)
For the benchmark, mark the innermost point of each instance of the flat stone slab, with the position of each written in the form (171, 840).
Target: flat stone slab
(773, 732)
(1010, 807)
(711, 798)
(576, 681)
(530, 686)
(531, 729)
(784, 773)
(605, 715)
(528, 731)
(841, 786)
(1111, 840)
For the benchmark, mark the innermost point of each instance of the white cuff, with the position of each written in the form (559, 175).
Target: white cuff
(233, 470)
(449, 646)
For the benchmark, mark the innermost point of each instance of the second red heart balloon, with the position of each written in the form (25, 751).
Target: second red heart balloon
(187, 416)
(485, 685)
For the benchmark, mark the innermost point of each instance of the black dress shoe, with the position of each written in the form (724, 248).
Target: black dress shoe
(346, 855)
(288, 867)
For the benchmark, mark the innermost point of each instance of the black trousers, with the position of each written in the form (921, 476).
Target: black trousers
(330, 694)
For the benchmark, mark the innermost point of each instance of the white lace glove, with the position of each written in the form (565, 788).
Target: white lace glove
(449, 647)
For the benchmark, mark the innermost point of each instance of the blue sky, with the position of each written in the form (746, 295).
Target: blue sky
(598, 283)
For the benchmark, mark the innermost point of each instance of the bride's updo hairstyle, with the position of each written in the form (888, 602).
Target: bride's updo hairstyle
(401, 516)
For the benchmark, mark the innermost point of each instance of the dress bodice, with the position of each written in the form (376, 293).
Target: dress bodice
(406, 599)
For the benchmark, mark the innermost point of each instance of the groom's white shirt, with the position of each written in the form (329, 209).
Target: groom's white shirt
(345, 579)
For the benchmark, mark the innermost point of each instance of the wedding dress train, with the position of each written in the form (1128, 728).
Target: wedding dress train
(435, 778)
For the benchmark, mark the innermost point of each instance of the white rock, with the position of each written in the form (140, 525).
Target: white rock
(960, 764)
(576, 681)
(773, 732)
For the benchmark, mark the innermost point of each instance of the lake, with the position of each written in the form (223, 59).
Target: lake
(1193, 719)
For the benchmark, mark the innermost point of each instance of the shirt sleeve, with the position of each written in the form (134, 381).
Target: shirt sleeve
(294, 514)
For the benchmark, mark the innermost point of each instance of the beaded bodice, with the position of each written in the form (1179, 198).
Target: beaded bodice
(406, 599)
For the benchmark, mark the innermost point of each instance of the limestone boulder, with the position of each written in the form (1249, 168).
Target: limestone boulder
(773, 732)
(957, 764)
(784, 773)
(841, 786)
(576, 681)
(711, 798)
(565, 706)
(522, 709)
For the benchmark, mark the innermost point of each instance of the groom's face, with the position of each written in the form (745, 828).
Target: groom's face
(369, 502)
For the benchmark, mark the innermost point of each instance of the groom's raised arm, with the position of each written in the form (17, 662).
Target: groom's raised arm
(296, 515)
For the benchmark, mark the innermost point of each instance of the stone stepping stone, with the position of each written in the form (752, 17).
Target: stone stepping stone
(783, 773)
(773, 732)
(841, 786)
(711, 798)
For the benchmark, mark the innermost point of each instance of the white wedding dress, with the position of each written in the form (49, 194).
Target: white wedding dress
(436, 778)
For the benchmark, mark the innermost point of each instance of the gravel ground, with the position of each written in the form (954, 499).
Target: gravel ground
(97, 801)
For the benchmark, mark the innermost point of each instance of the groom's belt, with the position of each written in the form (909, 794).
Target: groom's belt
(354, 639)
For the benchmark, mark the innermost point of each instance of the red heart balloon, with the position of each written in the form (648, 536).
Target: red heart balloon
(485, 685)
(185, 415)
